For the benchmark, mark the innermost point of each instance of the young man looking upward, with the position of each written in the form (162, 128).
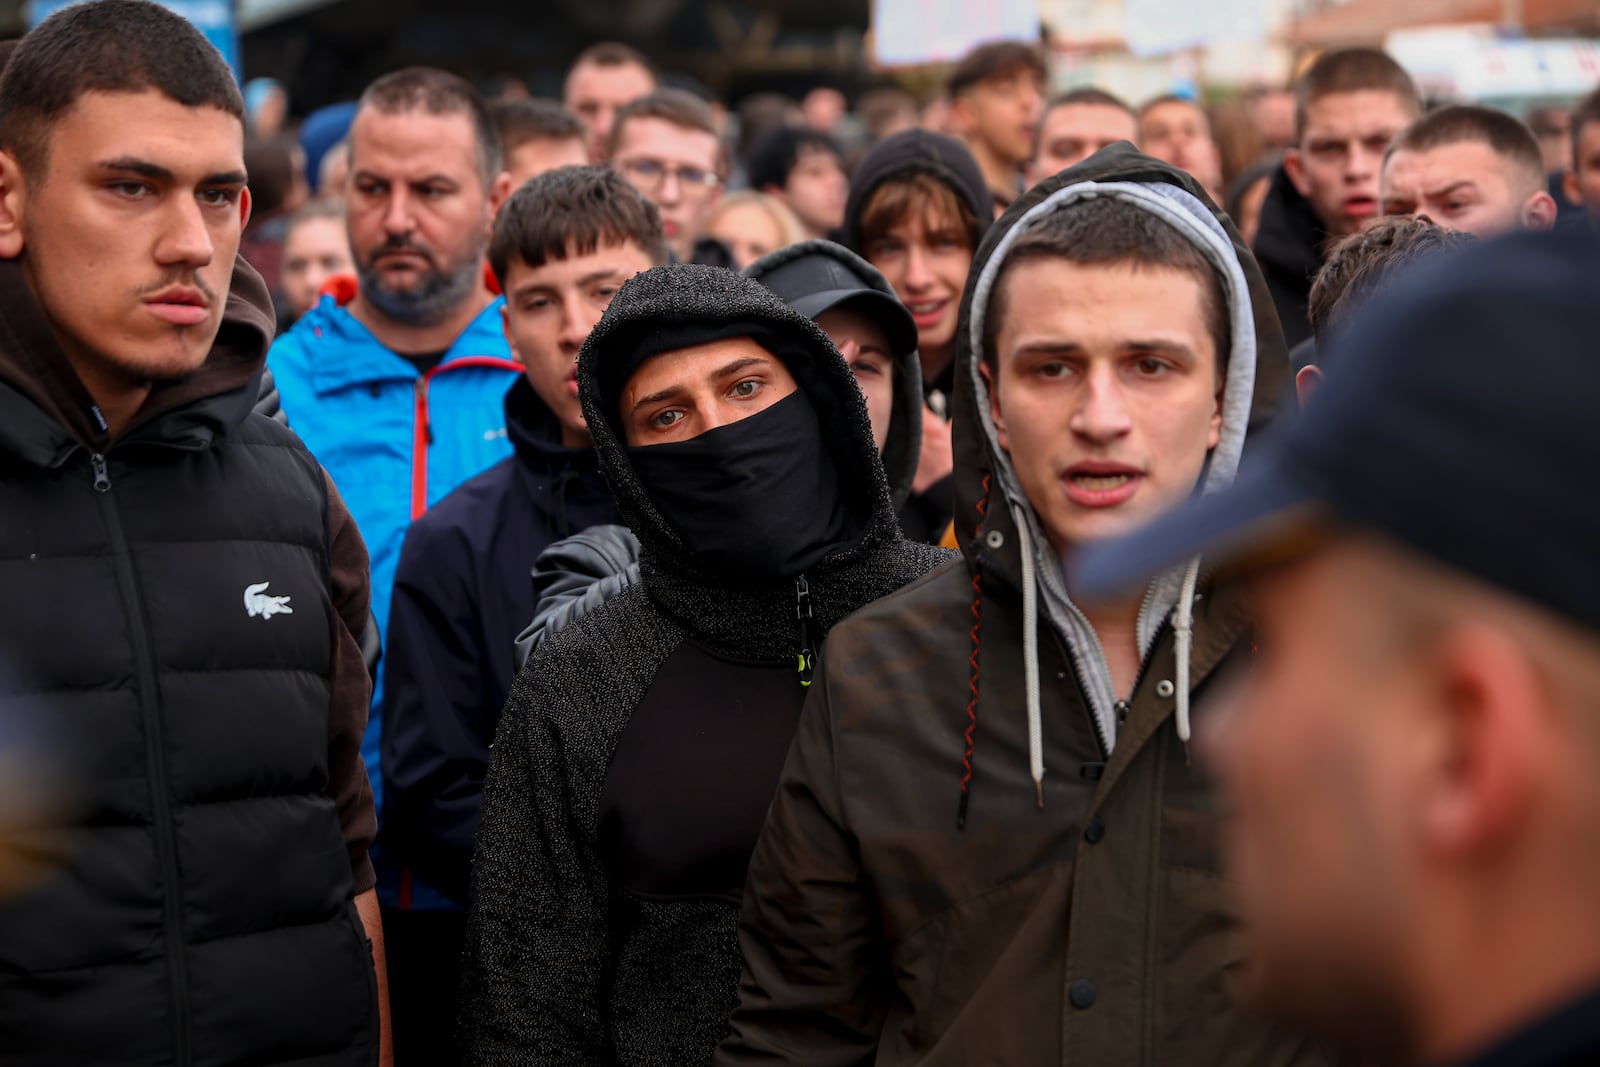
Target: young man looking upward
(1348, 106)
(183, 590)
(1468, 168)
(996, 96)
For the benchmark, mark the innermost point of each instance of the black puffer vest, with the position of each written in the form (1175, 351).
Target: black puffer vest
(166, 632)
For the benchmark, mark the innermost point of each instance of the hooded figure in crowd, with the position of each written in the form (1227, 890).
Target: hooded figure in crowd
(857, 308)
(988, 845)
(638, 751)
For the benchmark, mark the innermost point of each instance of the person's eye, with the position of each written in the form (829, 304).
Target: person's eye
(746, 389)
(433, 192)
(1152, 368)
(219, 197)
(371, 188)
(605, 293)
(535, 303)
(692, 175)
(130, 189)
(648, 168)
(1052, 371)
(664, 420)
(884, 249)
(866, 369)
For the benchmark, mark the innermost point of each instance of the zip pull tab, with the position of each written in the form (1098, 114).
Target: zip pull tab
(102, 480)
(424, 419)
(802, 611)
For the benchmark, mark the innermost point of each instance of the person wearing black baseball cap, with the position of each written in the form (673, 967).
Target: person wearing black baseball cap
(1414, 763)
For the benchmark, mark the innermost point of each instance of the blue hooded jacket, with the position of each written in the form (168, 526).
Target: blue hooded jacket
(394, 441)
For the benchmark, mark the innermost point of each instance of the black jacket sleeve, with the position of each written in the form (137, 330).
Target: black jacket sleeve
(573, 577)
(437, 719)
(816, 980)
(537, 947)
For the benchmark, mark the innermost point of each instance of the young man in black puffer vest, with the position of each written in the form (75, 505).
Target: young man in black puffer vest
(183, 590)
(638, 751)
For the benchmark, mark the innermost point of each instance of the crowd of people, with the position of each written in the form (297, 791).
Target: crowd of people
(619, 581)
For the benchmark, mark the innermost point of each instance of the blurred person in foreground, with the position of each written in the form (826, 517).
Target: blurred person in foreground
(1075, 126)
(563, 245)
(1468, 168)
(1349, 105)
(751, 225)
(184, 588)
(1413, 759)
(996, 96)
(398, 387)
(1176, 130)
(638, 750)
(316, 250)
(987, 845)
(1583, 178)
(1358, 267)
(604, 79)
(538, 136)
(666, 145)
(805, 170)
(918, 208)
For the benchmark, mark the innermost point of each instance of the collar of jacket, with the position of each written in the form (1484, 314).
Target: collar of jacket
(748, 620)
(535, 434)
(48, 412)
(363, 359)
(1290, 238)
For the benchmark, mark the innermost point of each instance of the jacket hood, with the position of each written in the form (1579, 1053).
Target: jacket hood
(918, 152)
(729, 611)
(995, 526)
(33, 365)
(902, 446)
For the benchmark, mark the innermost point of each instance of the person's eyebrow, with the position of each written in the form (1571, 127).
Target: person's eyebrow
(524, 291)
(1464, 183)
(1159, 348)
(1047, 348)
(742, 365)
(677, 390)
(657, 397)
(606, 274)
(156, 172)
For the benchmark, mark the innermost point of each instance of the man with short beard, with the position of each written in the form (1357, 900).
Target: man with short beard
(400, 390)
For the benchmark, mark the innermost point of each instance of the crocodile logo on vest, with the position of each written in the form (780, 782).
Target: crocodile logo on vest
(258, 603)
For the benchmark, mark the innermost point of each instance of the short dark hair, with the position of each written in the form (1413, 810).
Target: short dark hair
(1106, 231)
(1507, 137)
(1587, 111)
(519, 121)
(1357, 265)
(613, 54)
(1171, 98)
(894, 198)
(1089, 96)
(437, 92)
(114, 46)
(676, 106)
(570, 211)
(1541, 120)
(995, 60)
(270, 164)
(776, 154)
(1351, 70)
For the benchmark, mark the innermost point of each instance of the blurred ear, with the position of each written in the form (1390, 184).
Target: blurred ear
(505, 328)
(1539, 212)
(499, 193)
(246, 205)
(12, 195)
(1306, 382)
(1488, 733)
(1295, 166)
(961, 117)
(992, 386)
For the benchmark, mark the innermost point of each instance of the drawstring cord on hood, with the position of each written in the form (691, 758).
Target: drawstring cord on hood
(1030, 654)
(970, 735)
(1183, 632)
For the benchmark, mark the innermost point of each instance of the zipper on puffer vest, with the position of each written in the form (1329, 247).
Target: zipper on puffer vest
(155, 760)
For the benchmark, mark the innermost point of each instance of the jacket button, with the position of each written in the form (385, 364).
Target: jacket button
(1082, 994)
(1165, 689)
(1092, 834)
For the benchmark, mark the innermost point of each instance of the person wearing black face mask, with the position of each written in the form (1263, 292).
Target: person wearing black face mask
(638, 752)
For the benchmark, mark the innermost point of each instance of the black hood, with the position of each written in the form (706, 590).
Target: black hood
(733, 613)
(918, 152)
(902, 446)
(1289, 245)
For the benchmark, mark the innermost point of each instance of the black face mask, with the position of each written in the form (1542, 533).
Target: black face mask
(760, 498)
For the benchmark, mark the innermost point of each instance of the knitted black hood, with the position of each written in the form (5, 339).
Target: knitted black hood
(754, 620)
(902, 446)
